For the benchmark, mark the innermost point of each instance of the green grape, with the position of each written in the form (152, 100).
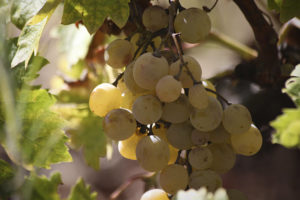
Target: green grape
(155, 18)
(200, 158)
(193, 24)
(152, 153)
(155, 194)
(207, 84)
(223, 157)
(209, 118)
(198, 96)
(177, 111)
(247, 143)
(129, 80)
(127, 147)
(179, 135)
(168, 89)
(185, 78)
(205, 178)
(148, 69)
(104, 98)
(173, 178)
(147, 109)
(219, 135)
(119, 53)
(119, 124)
(236, 119)
(236, 195)
(200, 138)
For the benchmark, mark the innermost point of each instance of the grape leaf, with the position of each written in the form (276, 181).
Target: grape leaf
(292, 86)
(23, 10)
(201, 194)
(30, 35)
(40, 188)
(94, 12)
(82, 192)
(287, 8)
(287, 128)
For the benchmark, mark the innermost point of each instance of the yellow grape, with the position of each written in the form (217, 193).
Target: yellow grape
(155, 18)
(155, 194)
(168, 89)
(200, 158)
(127, 148)
(200, 138)
(129, 80)
(104, 98)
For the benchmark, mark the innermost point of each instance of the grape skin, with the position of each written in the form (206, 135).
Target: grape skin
(205, 178)
(127, 147)
(198, 96)
(155, 18)
(152, 153)
(193, 24)
(129, 80)
(200, 158)
(147, 109)
(173, 178)
(179, 135)
(119, 53)
(104, 98)
(155, 194)
(200, 138)
(168, 89)
(148, 69)
(119, 124)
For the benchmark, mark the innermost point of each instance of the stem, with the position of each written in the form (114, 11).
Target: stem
(220, 96)
(246, 52)
(206, 9)
(115, 83)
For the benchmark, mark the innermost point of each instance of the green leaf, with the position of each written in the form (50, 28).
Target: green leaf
(90, 136)
(40, 188)
(287, 128)
(201, 194)
(287, 8)
(82, 192)
(7, 174)
(29, 38)
(292, 88)
(23, 10)
(94, 12)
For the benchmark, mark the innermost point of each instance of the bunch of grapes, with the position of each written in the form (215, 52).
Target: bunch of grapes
(164, 115)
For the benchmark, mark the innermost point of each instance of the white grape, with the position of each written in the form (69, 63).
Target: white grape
(205, 178)
(179, 135)
(168, 89)
(200, 138)
(127, 147)
(198, 96)
(200, 158)
(155, 194)
(155, 18)
(129, 80)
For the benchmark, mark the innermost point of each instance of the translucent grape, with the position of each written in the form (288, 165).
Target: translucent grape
(152, 153)
(209, 118)
(173, 178)
(223, 157)
(127, 147)
(236, 119)
(198, 96)
(119, 124)
(119, 53)
(129, 80)
(104, 98)
(247, 143)
(148, 69)
(155, 194)
(200, 138)
(177, 111)
(147, 109)
(155, 18)
(193, 66)
(168, 89)
(200, 158)
(205, 178)
(179, 135)
(193, 24)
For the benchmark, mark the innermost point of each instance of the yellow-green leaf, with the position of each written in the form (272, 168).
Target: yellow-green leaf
(82, 192)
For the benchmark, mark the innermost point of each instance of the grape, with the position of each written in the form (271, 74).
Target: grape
(148, 69)
(119, 53)
(200, 138)
(236, 195)
(155, 194)
(152, 153)
(119, 124)
(237, 119)
(198, 96)
(177, 111)
(209, 118)
(193, 66)
(104, 98)
(168, 89)
(193, 24)
(147, 109)
(247, 143)
(209, 85)
(223, 157)
(127, 147)
(173, 154)
(179, 135)
(155, 18)
(205, 178)
(173, 178)
(200, 158)
(129, 80)
(137, 40)
(219, 135)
